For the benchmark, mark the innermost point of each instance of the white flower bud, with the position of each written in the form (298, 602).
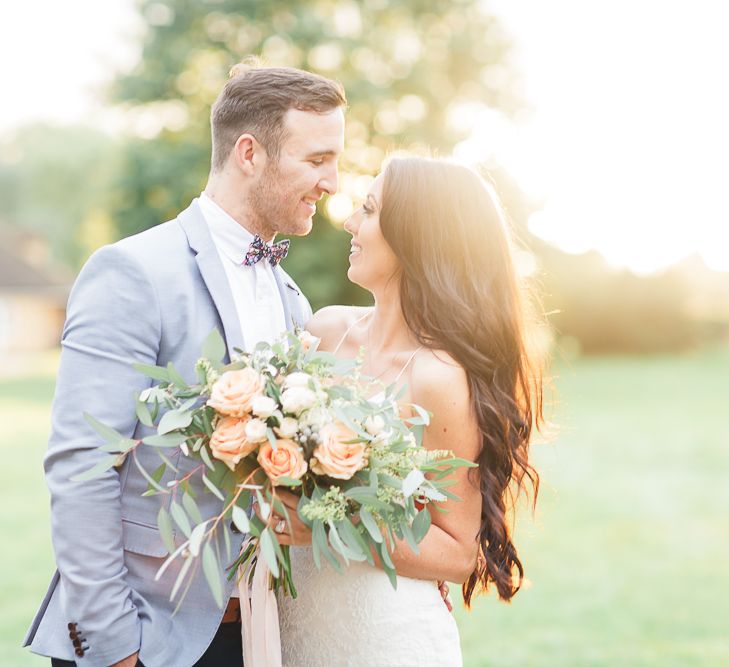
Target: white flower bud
(256, 430)
(297, 379)
(288, 429)
(297, 399)
(374, 424)
(263, 406)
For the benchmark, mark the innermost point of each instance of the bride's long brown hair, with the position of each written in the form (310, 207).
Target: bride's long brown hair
(460, 293)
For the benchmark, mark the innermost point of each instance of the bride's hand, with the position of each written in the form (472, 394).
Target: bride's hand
(294, 531)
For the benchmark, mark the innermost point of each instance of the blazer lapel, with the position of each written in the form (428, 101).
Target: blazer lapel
(212, 272)
(290, 298)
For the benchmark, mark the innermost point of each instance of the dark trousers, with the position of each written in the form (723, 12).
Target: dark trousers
(226, 650)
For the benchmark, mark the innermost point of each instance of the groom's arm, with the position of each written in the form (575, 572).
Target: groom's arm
(112, 321)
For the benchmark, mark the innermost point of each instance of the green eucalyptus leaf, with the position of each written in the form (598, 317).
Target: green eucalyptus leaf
(337, 543)
(240, 519)
(166, 440)
(143, 413)
(211, 569)
(178, 514)
(205, 456)
(101, 467)
(213, 489)
(268, 552)
(385, 555)
(351, 550)
(191, 508)
(181, 577)
(166, 531)
(119, 446)
(287, 481)
(166, 461)
(391, 575)
(152, 482)
(196, 538)
(352, 537)
(370, 524)
(175, 376)
(173, 420)
(228, 553)
(421, 524)
(155, 372)
(409, 537)
(107, 432)
(156, 476)
(214, 346)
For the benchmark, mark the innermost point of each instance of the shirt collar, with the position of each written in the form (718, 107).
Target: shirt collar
(231, 238)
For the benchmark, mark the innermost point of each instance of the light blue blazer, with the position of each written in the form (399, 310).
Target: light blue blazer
(151, 298)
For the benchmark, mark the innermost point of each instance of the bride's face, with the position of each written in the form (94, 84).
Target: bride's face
(371, 260)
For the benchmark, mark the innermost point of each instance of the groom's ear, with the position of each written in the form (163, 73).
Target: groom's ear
(247, 153)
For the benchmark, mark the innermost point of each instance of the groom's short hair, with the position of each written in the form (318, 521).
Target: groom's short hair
(255, 100)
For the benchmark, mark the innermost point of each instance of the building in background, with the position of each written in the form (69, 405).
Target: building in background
(33, 294)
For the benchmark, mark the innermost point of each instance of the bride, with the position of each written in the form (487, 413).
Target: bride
(431, 245)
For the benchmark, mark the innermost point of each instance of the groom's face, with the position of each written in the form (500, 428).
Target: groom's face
(289, 188)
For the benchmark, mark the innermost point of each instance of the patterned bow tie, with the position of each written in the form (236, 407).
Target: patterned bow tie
(259, 249)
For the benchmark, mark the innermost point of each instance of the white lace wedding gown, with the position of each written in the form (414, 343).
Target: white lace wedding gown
(357, 619)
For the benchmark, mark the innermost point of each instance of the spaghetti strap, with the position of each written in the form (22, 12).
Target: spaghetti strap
(407, 363)
(346, 333)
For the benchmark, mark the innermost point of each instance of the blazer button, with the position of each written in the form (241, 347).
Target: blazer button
(79, 652)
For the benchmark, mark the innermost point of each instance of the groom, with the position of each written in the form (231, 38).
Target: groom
(153, 298)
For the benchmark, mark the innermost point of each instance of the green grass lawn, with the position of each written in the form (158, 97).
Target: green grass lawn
(626, 557)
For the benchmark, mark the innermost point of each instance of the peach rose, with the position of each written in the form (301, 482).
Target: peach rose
(287, 460)
(308, 340)
(335, 456)
(229, 443)
(234, 392)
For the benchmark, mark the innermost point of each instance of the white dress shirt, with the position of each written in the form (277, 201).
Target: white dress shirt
(255, 292)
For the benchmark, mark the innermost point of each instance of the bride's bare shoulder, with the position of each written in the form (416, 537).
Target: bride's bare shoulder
(435, 369)
(330, 323)
(440, 385)
(439, 382)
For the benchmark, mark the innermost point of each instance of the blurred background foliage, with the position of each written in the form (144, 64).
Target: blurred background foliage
(407, 68)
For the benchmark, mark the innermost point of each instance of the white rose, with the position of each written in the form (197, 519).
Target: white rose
(373, 424)
(289, 427)
(297, 379)
(297, 399)
(256, 430)
(263, 406)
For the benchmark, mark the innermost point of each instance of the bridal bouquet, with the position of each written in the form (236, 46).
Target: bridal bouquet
(282, 416)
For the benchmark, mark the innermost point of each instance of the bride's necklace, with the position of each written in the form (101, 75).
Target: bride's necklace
(368, 353)
(388, 367)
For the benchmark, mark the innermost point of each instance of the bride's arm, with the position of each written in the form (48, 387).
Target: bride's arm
(449, 550)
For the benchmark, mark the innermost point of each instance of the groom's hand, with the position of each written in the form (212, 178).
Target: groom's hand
(129, 661)
(295, 531)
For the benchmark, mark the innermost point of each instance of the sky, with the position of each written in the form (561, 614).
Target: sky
(625, 142)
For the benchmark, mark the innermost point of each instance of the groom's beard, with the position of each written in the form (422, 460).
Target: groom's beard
(275, 208)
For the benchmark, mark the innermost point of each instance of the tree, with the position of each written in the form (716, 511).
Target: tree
(405, 66)
(54, 182)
